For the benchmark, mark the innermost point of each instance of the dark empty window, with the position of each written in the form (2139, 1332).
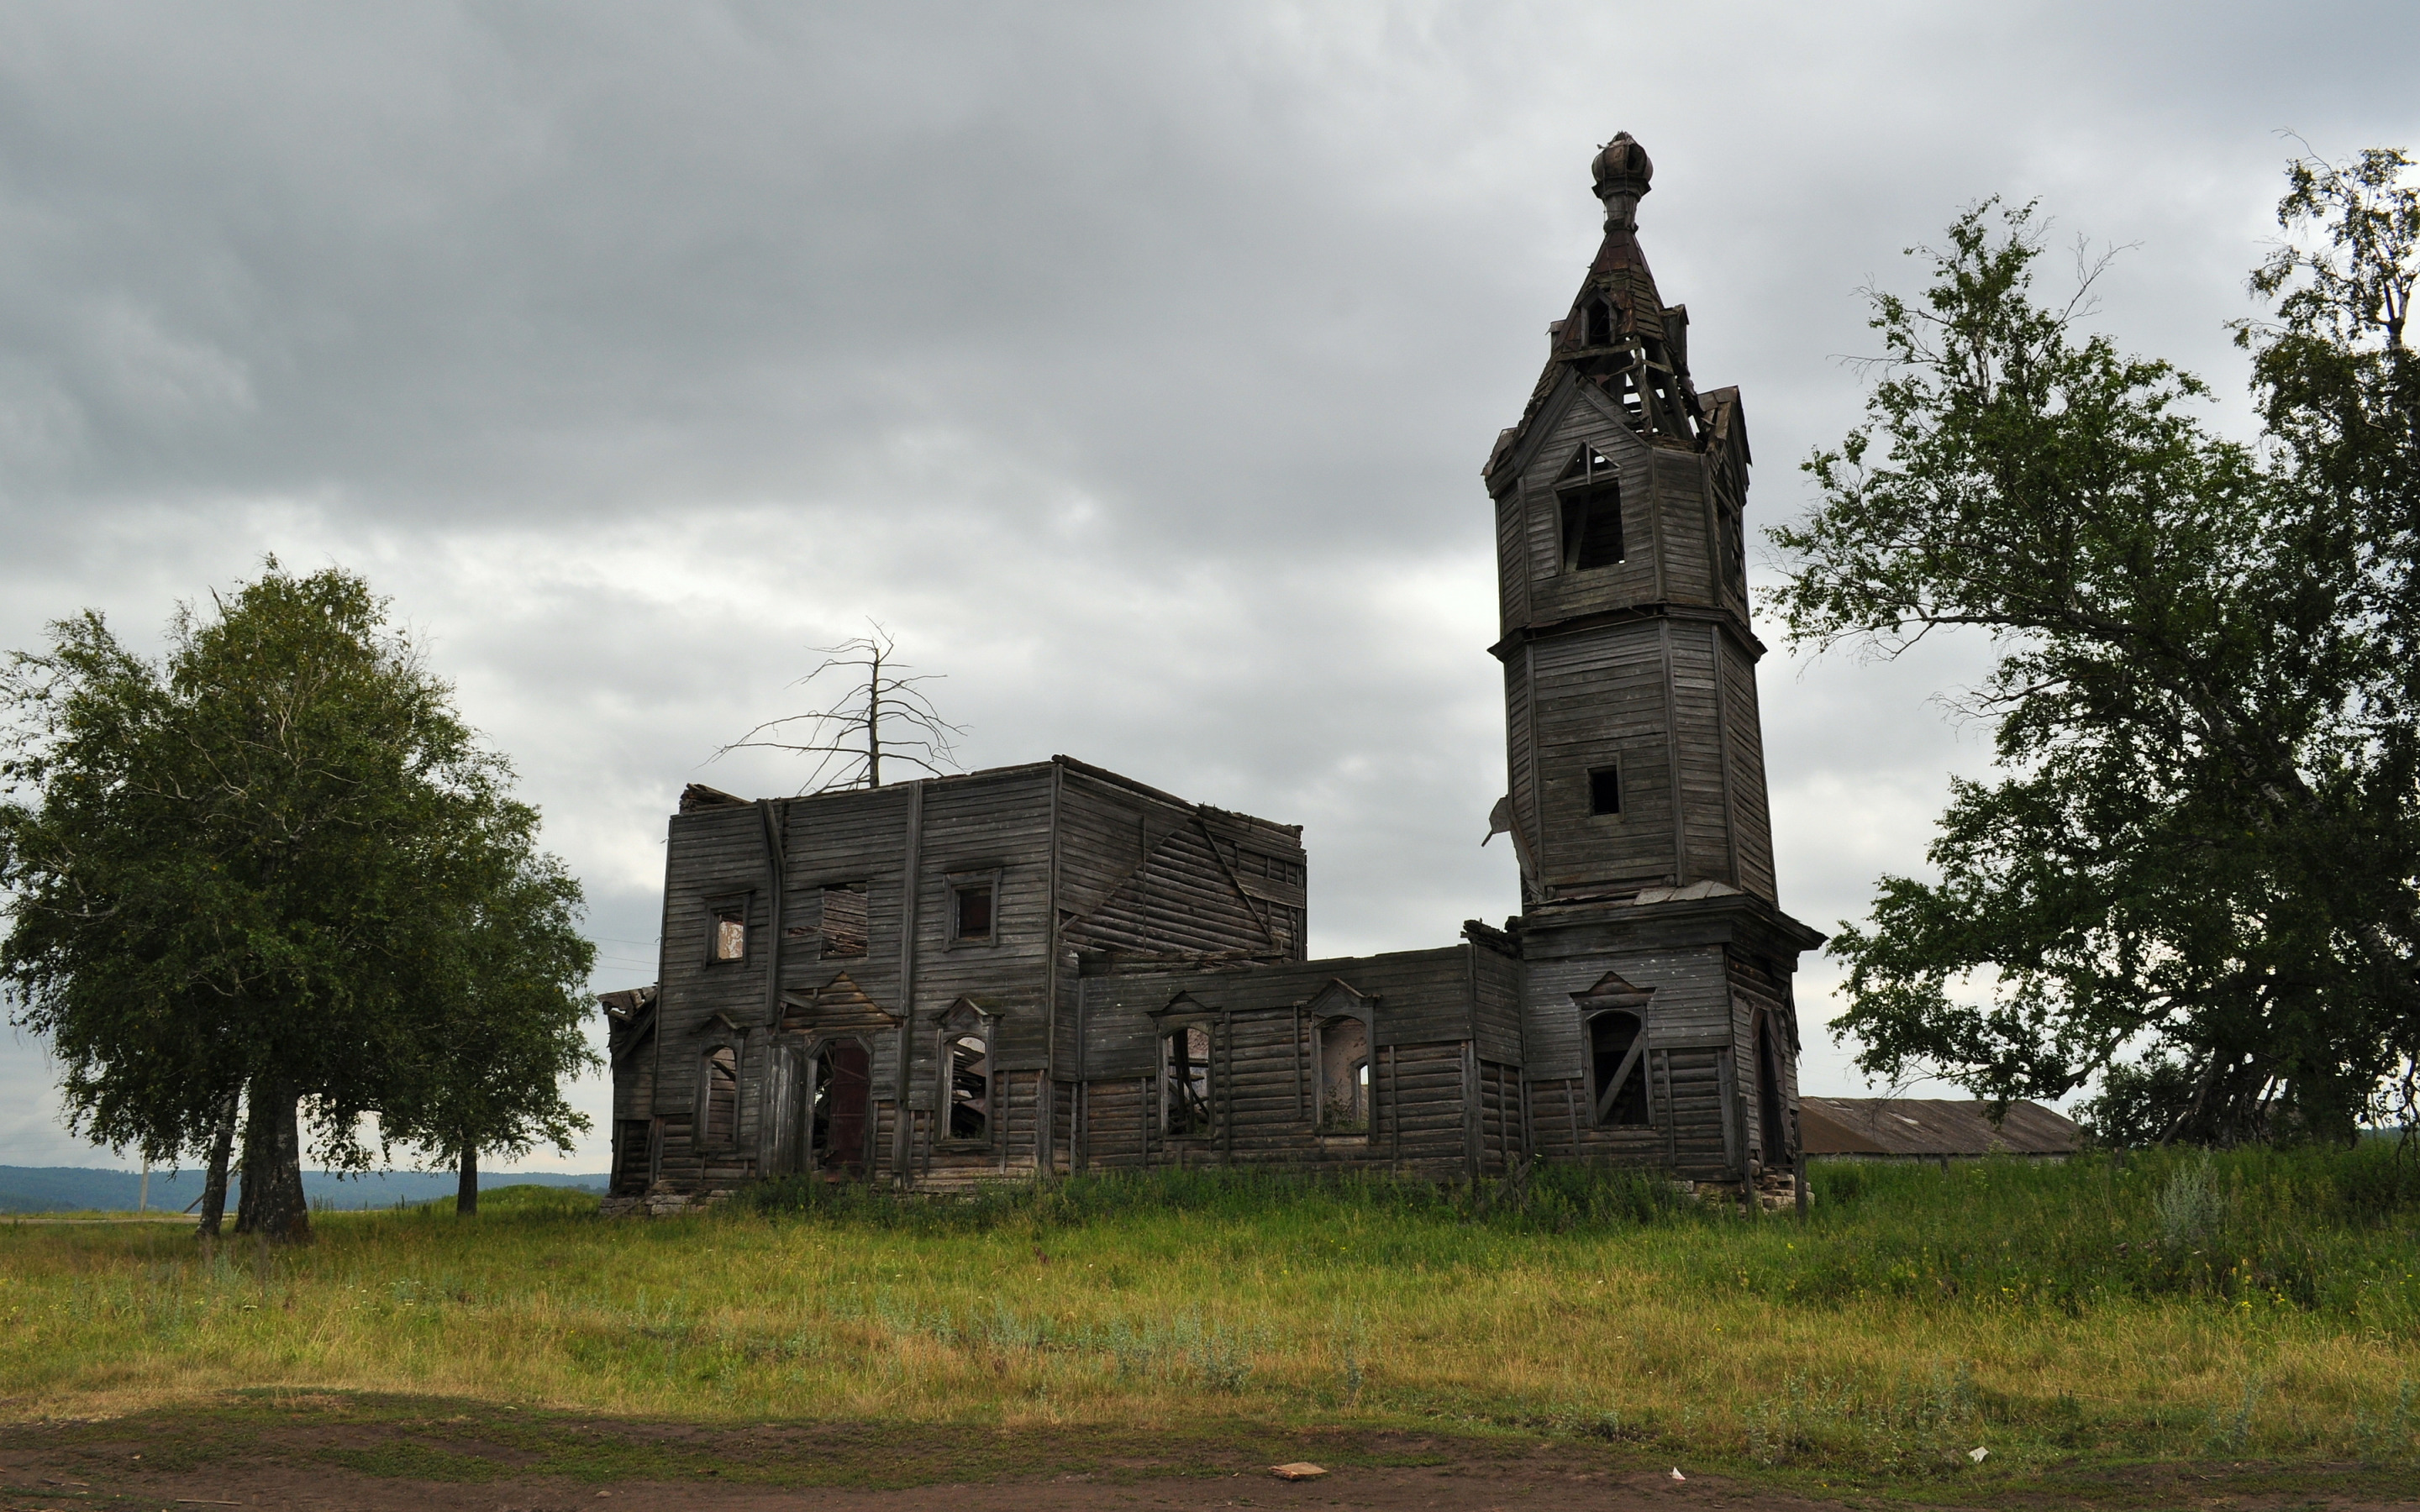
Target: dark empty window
(722, 1097)
(1592, 527)
(1598, 328)
(844, 923)
(971, 911)
(1617, 1068)
(1605, 790)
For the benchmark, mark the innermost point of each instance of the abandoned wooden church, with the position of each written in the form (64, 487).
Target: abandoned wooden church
(1054, 968)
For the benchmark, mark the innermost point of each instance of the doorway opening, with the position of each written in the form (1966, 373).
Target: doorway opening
(836, 1119)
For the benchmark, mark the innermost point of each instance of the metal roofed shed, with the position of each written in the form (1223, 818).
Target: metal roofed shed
(1920, 1127)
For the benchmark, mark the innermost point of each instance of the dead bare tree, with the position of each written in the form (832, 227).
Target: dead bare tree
(882, 713)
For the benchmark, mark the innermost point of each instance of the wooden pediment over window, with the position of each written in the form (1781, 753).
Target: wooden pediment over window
(1342, 999)
(840, 1003)
(967, 1014)
(1612, 991)
(1183, 1003)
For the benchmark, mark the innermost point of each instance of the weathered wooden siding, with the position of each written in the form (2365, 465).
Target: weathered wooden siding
(1421, 1020)
(1553, 594)
(1750, 807)
(1758, 988)
(1686, 520)
(1521, 756)
(1691, 1003)
(1600, 699)
(1697, 739)
(1511, 579)
(705, 1005)
(1186, 897)
(1495, 1006)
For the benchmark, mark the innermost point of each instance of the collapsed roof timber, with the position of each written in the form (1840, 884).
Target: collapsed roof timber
(1052, 967)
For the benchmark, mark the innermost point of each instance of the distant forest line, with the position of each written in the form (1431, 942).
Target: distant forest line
(100, 1189)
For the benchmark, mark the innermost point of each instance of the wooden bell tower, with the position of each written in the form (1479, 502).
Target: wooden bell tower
(1637, 796)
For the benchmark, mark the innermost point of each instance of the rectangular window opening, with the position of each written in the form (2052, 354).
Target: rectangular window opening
(843, 921)
(722, 1097)
(971, 911)
(1605, 790)
(970, 1088)
(1592, 527)
(1184, 1083)
(728, 940)
(1344, 1077)
(1617, 1070)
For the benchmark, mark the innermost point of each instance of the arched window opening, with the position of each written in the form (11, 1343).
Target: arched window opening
(969, 1087)
(1772, 1141)
(1618, 1069)
(1343, 1076)
(721, 1097)
(836, 1122)
(1184, 1082)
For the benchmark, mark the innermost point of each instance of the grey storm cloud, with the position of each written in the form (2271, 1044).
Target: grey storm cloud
(1132, 363)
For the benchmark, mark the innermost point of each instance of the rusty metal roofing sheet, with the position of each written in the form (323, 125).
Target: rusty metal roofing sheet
(1916, 1126)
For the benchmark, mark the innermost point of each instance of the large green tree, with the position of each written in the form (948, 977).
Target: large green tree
(254, 866)
(2196, 884)
(506, 1030)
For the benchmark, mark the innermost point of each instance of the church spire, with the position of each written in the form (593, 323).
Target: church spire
(1619, 337)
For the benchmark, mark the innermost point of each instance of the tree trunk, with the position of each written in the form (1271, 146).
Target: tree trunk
(270, 1203)
(214, 1185)
(466, 1192)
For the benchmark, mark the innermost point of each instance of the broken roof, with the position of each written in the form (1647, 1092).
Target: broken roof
(1619, 337)
(1927, 1127)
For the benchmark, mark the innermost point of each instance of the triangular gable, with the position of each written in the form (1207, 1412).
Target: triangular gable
(1539, 430)
(1612, 991)
(1182, 893)
(1183, 1003)
(1342, 999)
(966, 1013)
(840, 1000)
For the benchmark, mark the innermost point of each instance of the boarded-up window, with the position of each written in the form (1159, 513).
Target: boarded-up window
(844, 924)
(1344, 1077)
(727, 940)
(1184, 1082)
(722, 1112)
(1618, 1069)
(970, 1084)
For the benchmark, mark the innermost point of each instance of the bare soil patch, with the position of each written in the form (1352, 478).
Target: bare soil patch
(329, 1451)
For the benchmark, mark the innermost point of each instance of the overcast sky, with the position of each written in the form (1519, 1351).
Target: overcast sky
(1132, 363)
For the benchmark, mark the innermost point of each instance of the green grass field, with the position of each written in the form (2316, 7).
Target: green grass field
(2261, 1306)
